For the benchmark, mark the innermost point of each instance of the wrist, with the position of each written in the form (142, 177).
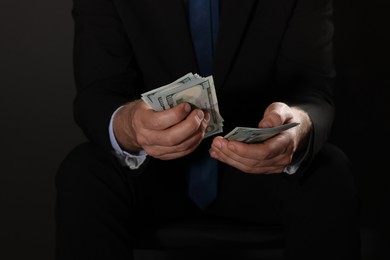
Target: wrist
(123, 129)
(304, 129)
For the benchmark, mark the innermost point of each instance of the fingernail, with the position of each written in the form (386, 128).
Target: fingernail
(187, 107)
(200, 114)
(213, 154)
(205, 123)
(207, 117)
(218, 144)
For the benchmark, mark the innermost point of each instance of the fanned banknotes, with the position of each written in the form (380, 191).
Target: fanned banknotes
(256, 135)
(194, 89)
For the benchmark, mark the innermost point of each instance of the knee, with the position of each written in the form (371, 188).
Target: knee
(336, 163)
(332, 169)
(335, 156)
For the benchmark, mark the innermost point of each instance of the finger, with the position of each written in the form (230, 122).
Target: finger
(276, 113)
(162, 120)
(239, 150)
(251, 158)
(274, 165)
(193, 125)
(171, 152)
(258, 169)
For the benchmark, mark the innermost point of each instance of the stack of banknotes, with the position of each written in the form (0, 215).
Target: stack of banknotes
(200, 92)
(256, 135)
(194, 89)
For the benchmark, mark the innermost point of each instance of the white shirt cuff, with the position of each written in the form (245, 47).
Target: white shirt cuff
(133, 161)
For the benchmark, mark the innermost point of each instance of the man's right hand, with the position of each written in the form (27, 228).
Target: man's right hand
(166, 135)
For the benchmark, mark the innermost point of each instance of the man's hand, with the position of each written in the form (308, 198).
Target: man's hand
(166, 135)
(273, 155)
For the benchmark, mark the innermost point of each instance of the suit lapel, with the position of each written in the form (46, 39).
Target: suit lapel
(231, 33)
(183, 44)
(167, 24)
(175, 41)
(234, 19)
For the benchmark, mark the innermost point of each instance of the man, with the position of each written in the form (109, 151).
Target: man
(271, 65)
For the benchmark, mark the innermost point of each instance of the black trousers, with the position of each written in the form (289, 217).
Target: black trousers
(102, 207)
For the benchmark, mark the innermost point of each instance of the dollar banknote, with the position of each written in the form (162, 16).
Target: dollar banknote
(150, 96)
(256, 135)
(191, 88)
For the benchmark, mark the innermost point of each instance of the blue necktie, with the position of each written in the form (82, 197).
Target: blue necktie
(204, 23)
(204, 19)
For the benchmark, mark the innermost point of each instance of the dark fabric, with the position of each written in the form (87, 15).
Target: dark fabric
(204, 20)
(214, 233)
(103, 210)
(203, 17)
(202, 253)
(266, 51)
(203, 178)
(201, 238)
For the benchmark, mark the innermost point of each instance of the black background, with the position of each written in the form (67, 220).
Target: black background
(37, 128)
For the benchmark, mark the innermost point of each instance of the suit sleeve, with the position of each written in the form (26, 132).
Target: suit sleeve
(105, 68)
(306, 64)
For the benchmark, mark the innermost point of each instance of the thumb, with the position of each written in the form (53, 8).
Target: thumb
(274, 115)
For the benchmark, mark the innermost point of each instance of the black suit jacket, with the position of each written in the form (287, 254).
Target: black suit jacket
(267, 50)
